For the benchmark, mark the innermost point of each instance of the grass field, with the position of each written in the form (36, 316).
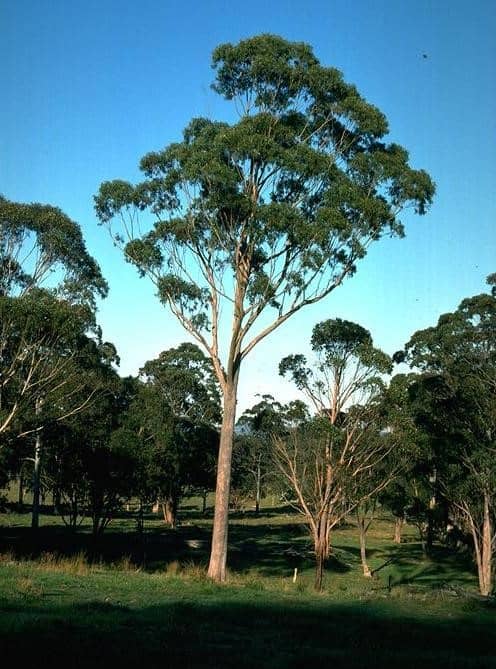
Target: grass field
(66, 602)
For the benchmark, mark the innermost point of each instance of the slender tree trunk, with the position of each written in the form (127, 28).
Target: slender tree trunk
(169, 510)
(423, 528)
(96, 526)
(204, 501)
(140, 520)
(398, 526)
(320, 558)
(218, 555)
(484, 553)
(362, 527)
(431, 513)
(258, 491)
(74, 512)
(56, 499)
(35, 515)
(322, 548)
(20, 499)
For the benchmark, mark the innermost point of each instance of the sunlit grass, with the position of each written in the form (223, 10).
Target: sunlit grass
(129, 600)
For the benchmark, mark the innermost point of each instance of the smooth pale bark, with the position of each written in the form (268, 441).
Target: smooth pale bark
(363, 527)
(169, 511)
(363, 553)
(38, 445)
(398, 526)
(218, 555)
(321, 550)
(35, 515)
(258, 493)
(484, 550)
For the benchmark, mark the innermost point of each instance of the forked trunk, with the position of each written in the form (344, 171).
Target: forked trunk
(483, 549)
(320, 558)
(218, 555)
(321, 544)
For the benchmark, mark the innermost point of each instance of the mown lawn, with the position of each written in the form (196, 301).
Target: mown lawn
(59, 608)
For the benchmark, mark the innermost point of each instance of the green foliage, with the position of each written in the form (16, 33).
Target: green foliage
(48, 286)
(256, 430)
(170, 425)
(37, 240)
(348, 368)
(272, 211)
(458, 361)
(47, 346)
(185, 377)
(457, 396)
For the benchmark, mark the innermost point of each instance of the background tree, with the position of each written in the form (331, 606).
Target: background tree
(409, 494)
(72, 446)
(47, 279)
(48, 334)
(174, 417)
(256, 430)
(257, 219)
(458, 355)
(328, 468)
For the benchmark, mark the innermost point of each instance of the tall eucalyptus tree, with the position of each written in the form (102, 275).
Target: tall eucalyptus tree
(240, 225)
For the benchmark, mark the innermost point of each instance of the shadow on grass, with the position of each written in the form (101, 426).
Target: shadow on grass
(273, 549)
(442, 566)
(223, 633)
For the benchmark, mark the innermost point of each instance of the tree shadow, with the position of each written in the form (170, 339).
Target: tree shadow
(218, 632)
(272, 549)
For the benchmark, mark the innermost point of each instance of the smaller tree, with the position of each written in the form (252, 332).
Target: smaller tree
(174, 418)
(256, 430)
(327, 462)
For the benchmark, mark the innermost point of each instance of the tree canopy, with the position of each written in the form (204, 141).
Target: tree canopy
(250, 221)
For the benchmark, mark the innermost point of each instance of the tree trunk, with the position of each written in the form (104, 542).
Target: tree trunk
(35, 515)
(169, 510)
(73, 512)
(484, 563)
(320, 558)
(140, 519)
(363, 548)
(431, 513)
(218, 555)
(20, 499)
(398, 526)
(258, 490)
(57, 498)
(204, 501)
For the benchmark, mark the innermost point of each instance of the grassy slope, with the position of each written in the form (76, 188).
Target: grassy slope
(74, 615)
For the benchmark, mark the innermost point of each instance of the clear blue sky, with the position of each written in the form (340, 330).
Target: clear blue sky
(89, 86)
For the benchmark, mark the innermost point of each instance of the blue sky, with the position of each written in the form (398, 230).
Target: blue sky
(89, 87)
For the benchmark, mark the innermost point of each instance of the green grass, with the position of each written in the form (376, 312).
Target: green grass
(70, 603)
